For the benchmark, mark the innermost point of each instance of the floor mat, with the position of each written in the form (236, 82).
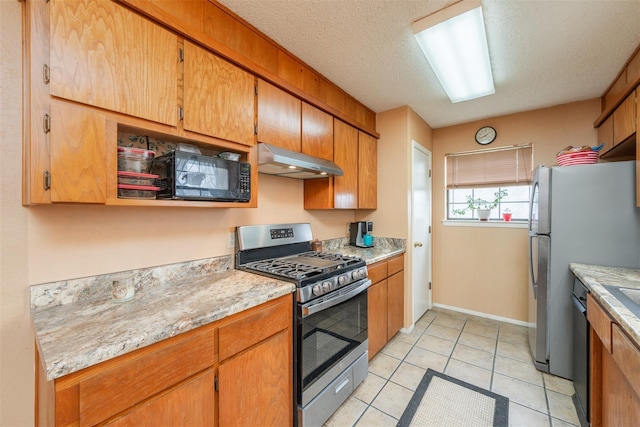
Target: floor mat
(441, 400)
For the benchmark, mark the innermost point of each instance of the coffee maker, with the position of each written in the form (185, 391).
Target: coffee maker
(357, 231)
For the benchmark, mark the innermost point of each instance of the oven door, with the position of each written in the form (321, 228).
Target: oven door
(331, 333)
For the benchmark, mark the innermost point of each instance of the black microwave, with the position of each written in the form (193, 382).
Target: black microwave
(190, 176)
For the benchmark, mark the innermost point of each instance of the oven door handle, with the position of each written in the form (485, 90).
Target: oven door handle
(308, 310)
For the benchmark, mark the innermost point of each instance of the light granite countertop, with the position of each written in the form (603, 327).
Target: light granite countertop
(81, 333)
(384, 248)
(595, 276)
(78, 324)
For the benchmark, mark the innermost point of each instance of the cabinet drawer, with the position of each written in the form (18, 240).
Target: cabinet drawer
(396, 265)
(377, 272)
(255, 327)
(600, 322)
(119, 387)
(627, 356)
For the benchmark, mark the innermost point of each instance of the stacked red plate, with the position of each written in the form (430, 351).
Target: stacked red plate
(578, 158)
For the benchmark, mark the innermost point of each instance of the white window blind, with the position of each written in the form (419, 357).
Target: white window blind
(491, 167)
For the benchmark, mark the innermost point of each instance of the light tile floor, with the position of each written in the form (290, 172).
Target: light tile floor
(490, 354)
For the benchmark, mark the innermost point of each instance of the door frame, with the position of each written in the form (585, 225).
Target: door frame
(417, 146)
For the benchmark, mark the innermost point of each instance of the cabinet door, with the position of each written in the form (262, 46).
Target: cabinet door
(395, 301)
(103, 54)
(367, 171)
(218, 97)
(78, 153)
(605, 134)
(638, 145)
(377, 317)
(317, 132)
(279, 117)
(345, 155)
(256, 387)
(192, 403)
(624, 119)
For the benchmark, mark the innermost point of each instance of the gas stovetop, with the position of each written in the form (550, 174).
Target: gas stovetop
(283, 251)
(305, 265)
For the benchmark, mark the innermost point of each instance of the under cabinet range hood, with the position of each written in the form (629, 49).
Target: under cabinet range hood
(274, 160)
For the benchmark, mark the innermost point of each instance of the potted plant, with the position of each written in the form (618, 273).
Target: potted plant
(481, 206)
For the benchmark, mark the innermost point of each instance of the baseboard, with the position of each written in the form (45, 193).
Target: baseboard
(485, 315)
(408, 330)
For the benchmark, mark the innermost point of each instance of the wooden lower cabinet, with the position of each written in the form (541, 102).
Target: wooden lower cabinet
(190, 403)
(395, 303)
(614, 372)
(377, 316)
(255, 386)
(386, 302)
(173, 382)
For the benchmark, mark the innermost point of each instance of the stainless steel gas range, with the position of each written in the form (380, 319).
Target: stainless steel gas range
(330, 306)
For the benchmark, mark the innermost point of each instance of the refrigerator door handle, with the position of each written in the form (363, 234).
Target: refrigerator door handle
(534, 285)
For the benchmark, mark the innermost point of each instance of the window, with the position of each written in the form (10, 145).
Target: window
(482, 173)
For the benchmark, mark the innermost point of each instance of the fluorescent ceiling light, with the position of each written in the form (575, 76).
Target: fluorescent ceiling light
(455, 44)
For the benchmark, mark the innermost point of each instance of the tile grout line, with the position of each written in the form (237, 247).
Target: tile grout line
(388, 380)
(449, 357)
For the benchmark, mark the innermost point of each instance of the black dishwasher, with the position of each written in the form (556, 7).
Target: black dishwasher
(581, 352)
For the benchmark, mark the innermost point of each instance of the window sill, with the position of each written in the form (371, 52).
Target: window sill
(489, 224)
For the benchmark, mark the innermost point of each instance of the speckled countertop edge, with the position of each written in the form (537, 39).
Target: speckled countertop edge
(77, 335)
(595, 276)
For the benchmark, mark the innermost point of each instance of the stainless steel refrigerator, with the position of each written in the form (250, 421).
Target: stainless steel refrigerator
(585, 214)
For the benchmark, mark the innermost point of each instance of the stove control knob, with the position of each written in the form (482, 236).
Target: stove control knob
(354, 275)
(317, 290)
(342, 280)
(326, 286)
(362, 273)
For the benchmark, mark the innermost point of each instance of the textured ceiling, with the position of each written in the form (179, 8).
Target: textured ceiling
(543, 53)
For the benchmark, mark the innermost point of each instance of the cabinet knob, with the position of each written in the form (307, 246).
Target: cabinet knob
(417, 245)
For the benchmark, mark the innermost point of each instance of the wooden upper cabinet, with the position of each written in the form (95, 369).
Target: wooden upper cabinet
(624, 119)
(218, 97)
(297, 73)
(367, 171)
(356, 153)
(78, 153)
(279, 117)
(345, 155)
(190, 12)
(105, 55)
(637, 152)
(317, 132)
(605, 134)
(221, 25)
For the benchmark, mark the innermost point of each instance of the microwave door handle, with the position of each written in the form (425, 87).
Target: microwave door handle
(309, 309)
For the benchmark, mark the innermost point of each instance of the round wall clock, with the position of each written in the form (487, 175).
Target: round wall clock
(486, 135)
